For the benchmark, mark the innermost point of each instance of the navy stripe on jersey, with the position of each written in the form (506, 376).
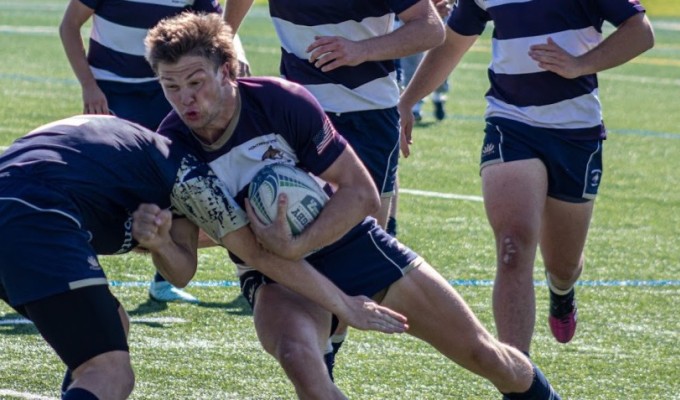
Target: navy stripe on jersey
(118, 30)
(134, 14)
(121, 64)
(521, 19)
(528, 89)
(520, 89)
(318, 12)
(305, 73)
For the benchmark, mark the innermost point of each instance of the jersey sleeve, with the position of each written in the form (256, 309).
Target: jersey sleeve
(317, 143)
(207, 6)
(617, 11)
(203, 198)
(468, 18)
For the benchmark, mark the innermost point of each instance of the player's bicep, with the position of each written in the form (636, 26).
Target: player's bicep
(347, 171)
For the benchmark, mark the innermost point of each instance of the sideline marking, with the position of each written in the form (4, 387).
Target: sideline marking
(453, 282)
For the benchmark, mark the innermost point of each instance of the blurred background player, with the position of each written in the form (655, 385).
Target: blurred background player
(541, 159)
(408, 66)
(114, 75)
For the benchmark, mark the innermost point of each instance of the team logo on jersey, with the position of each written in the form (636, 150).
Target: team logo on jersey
(488, 149)
(272, 153)
(94, 264)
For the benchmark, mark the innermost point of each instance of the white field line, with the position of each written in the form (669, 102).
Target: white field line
(137, 320)
(438, 195)
(13, 394)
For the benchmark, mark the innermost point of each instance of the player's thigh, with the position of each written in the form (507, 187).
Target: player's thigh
(564, 231)
(80, 324)
(281, 314)
(437, 313)
(514, 195)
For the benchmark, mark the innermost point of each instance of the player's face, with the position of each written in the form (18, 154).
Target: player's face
(205, 99)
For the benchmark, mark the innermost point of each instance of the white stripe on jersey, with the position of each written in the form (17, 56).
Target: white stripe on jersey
(296, 38)
(121, 38)
(381, 93)
(511, 56)
(579, 112)
(247, 159)
(167, 3)
(484, 4)
(375, 95)
(104, 75)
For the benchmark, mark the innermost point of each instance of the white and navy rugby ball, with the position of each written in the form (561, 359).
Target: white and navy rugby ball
(306, 198)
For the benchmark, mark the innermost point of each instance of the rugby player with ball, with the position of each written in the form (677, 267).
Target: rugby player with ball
(240, 126)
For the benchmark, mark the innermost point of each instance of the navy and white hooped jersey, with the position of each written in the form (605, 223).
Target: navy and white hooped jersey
(369, 86)
(116, 46)
(522, 91)
(97, 170)
(277, 122)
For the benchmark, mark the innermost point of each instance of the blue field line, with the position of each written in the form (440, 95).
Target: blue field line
(454, 282)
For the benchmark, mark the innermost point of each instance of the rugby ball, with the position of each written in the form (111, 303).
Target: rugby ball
(306, 198)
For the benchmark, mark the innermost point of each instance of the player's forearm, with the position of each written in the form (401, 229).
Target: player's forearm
(632, 38)
(436, 67)
(235, 12)
(298, 276)
(75, 53)
(412, 37)
(176, 264)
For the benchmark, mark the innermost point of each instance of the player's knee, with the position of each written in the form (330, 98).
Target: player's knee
(293, 354)
(565, 270)
(512, 248)
(111, 372)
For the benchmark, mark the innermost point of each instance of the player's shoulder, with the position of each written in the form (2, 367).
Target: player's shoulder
(272, 89)
(273, 93)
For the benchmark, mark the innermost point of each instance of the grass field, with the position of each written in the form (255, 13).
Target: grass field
(628, 343)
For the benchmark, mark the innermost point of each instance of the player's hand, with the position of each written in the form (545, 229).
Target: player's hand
(443, 8)
(551, 57)
(331, 52)
(151, 226)
(406, 120)
(277, 236)
(94, 101)
(365, 314)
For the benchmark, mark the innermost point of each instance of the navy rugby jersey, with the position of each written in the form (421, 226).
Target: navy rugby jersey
(522, 91)
(278, 122)
(369, 86)
(96, 170)
(116, 46)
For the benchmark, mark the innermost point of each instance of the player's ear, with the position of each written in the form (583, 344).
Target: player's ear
(225, 76)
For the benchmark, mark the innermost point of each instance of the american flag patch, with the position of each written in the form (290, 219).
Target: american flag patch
(324, 136)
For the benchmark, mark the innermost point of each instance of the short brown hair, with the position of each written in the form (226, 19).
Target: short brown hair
(191, 34)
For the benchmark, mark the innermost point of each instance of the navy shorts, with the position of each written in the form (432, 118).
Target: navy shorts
(363, 262)
(374, 136)
(44, 250)
(143, 103)
(574, 166)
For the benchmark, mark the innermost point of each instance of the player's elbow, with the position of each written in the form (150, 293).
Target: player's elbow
(369, 200)
(438, 34)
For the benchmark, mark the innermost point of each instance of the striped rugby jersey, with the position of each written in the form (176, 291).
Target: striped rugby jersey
(369, 86)
(116, 47)
(522, 91)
